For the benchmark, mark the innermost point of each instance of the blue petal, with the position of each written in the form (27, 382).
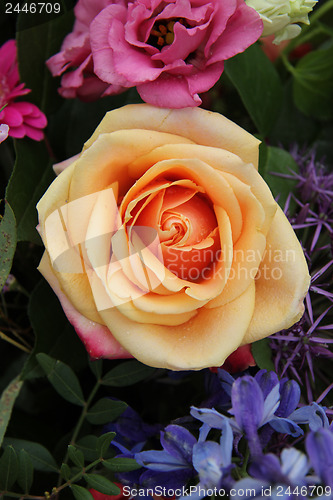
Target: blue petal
(209, 416)
(271, 404)
(160, 460)
(226, 380)
(286, 426)
(247, 402)
(207, 460)
(319, 446)
(267, 381)
(294, 464)
(314, 415)
(226, 443)
(266, 467)
(290, 394)
(178, 441)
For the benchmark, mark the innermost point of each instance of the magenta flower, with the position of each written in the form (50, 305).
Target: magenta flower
(170, 50)
(23, 118)
(75, 55)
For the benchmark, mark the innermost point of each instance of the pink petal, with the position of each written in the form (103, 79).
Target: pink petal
(7, 56)
(168, 91)
(25, 108)
(101, 50)
(243, 29)
(33, 133)
(185, 42)
(12, 117)
(204, 80)
(17, 132)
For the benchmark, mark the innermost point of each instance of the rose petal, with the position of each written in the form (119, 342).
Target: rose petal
(189, 123)
(97, 338)
(194, 345)
(106, 160)
(282, 285)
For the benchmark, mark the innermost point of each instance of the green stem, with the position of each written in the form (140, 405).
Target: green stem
(79, 424)
(246, 460)
(13, 342)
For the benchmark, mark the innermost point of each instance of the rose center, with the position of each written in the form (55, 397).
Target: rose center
(162, 32)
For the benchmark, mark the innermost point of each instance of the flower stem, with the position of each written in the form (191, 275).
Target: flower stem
(79, 425)
(13, 342)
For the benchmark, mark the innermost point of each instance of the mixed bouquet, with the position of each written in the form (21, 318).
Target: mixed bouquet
(166, 249)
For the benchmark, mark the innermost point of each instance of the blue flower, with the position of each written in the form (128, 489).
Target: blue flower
(278, 477)
(319, 446)
(175, 458)
(212, 461)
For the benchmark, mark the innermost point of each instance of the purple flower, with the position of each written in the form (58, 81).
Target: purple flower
(278, 477)
(212, 461)
(172, 466)
(319, 446)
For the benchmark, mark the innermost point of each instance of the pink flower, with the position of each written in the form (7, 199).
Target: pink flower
(75, 55)
(23, 118)
(170, 50)
(3, 132)
(173, 50)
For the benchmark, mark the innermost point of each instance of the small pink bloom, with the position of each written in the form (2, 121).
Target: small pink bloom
(23, 118)
(4, 129)
(171, 51)
(75, 56)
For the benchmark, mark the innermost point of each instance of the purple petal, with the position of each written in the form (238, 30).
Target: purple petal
(266, 380)
(285, 426)
(178, 442)
(319, 446)
(290, 394)
(247, 402)
(160, 461)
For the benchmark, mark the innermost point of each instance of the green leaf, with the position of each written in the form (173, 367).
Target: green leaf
(313, 89)
(65, 472)
(105, 410)
(7, 243)
(258, 85)
(26, 471)
(63, 379)
(127, 373)
(121, 464)
(81, 493)
(41, 458)
(7, 401)
(37, 40)
(54, 334)
(31, 177)
(278, 161)
(76, 456)
(101, 484)
(103, 443)
(88, 446)
(8, 468)
(96, 367)
(262, 354)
